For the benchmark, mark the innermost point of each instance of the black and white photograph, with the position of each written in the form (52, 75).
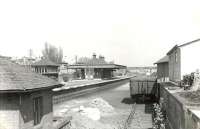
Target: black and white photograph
(99, 64)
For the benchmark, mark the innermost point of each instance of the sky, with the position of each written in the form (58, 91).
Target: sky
(128, 32)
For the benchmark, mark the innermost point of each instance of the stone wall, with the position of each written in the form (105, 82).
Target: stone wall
(179, 116)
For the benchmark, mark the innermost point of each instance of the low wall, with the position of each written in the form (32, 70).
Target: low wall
(67, 94)
(179, 115)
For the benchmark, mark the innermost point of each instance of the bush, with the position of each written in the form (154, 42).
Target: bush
(187, 80)
(158, 117)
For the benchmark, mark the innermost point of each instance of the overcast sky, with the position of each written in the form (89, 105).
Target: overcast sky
(132, 33)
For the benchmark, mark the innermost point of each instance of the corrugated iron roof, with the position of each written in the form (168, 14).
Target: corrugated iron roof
(14, 77)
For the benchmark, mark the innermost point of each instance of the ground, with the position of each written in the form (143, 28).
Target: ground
(119, 99)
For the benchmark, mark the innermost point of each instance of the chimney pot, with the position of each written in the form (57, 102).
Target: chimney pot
(94, 56)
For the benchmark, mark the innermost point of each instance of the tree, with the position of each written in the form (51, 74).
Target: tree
(52, 53)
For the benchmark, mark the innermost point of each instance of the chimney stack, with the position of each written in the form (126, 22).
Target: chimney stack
(101, 57)
(94, 55)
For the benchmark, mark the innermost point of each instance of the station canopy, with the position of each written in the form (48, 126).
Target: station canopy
(95, 63)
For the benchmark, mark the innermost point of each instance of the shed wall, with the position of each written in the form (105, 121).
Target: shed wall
(175, 66)
(9, 111)
(26, 110)
(163, 72)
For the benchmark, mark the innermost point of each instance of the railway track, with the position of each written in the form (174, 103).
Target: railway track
(130, 117)
(140, 117)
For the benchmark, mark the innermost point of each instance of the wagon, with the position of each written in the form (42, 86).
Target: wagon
(147, 88)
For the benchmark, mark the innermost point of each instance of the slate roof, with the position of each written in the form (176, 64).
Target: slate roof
(16, 78)
(165, 59)
(45, 62)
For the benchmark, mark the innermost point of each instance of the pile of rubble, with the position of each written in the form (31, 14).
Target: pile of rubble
(88, 116)
(83, 122)
(102, 105)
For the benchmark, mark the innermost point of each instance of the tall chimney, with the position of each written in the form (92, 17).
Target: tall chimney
(94, 55)
(101, 57)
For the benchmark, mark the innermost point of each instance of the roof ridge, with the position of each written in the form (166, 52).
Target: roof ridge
(46, 61)
(188, 43)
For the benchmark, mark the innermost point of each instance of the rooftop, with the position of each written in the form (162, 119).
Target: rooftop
(182, 45)
(165, 59)
(94, 62)
(14, 77)
(45, 62)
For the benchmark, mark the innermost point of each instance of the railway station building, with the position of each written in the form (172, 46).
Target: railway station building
(95, 68)
(46, 67)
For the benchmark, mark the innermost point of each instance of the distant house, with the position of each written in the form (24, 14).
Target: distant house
(25, 98)
(25, 61)
(163, 69)
(46, 67)
(90, 68)
(184, 59)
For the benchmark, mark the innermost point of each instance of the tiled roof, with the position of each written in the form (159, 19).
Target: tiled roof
(14, 77)
(163, 60)
(44, 62)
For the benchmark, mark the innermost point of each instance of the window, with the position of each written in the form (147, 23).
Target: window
(37, 110)
(176, 57)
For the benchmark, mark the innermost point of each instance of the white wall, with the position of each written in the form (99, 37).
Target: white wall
(190, 58)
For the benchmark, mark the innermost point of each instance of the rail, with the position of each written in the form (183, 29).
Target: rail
(63, 123)
(130, 117)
